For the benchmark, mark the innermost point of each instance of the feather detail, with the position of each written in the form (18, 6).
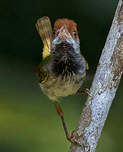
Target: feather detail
(86, 63)
(87, 66)
(44, 29)
(41, 74)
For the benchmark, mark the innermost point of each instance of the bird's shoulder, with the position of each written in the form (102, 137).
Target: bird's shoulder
(86, 63)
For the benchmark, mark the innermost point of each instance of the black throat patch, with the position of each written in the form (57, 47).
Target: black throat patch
(65, 60)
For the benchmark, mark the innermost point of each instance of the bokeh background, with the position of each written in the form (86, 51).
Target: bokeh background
(28, 120)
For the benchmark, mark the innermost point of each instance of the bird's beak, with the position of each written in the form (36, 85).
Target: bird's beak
(64, 35)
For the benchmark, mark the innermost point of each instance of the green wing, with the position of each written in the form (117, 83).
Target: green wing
(87, 66)
(41, 71)
(86, 63)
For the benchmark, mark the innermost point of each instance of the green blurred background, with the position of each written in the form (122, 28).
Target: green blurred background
(28, 121)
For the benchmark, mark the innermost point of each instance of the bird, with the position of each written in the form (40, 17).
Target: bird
(63, 68)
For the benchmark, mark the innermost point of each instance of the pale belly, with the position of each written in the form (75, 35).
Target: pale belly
(55, 88)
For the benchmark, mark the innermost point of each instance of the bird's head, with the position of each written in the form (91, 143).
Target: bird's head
(65, 36)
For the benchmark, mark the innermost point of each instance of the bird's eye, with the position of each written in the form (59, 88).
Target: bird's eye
(74, 33)
(54, 32)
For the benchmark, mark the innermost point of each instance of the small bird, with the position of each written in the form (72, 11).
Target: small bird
(63, 68)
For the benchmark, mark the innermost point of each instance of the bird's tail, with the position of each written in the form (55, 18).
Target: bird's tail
(44, 29)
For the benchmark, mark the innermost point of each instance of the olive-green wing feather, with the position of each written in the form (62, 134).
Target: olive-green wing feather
(41, 74)
(41, 70)
(86, 63)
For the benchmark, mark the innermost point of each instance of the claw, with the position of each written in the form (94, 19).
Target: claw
(73, 140)
(85, 92)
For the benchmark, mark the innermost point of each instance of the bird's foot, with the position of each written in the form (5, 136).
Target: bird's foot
(72, 139)
(85, 92)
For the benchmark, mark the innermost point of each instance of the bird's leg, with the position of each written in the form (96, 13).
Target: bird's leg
(60, 113)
